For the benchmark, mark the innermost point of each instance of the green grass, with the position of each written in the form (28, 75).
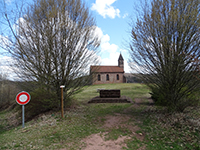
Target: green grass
(49, 131)
(48, 134)
(128, 89)
(134, 144)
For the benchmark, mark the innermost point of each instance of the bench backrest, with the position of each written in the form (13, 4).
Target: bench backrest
(110, 93)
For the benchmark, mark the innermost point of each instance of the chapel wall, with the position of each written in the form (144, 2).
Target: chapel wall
(112, 78)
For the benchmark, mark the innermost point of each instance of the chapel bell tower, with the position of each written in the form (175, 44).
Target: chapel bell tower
(121, 61)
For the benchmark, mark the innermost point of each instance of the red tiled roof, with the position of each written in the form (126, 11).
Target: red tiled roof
(109, 69)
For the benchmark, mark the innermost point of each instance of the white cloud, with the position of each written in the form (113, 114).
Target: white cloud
(125, 15)
(104, 8)
(98, 32)
(5, 67)
(8, 1)
(111, 60)
(105, 38)
(4, 41)
(105, 45)
(127, 68)
(111, 51)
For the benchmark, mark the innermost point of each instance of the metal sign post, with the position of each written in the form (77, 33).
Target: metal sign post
(23, 98)
(62, 111)
(22, 116)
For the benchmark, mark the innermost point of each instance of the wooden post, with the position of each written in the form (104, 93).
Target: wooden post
(62, 111)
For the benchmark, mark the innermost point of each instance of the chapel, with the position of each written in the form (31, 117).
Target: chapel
(109, 74)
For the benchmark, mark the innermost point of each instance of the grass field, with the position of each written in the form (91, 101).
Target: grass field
(128, 89)
(145, 126)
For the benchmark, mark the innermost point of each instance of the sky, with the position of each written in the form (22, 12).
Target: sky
(113, 18)
(112, 21)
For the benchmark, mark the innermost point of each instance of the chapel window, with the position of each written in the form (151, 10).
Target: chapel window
(117, 77)
(107, 77)
(99, 77)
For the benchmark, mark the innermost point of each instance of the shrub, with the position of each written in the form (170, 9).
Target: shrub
(41, 101)
(159, 96)
(70, 102)
(8, 91)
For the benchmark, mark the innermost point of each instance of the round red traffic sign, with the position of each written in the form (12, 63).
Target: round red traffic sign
(23, 98)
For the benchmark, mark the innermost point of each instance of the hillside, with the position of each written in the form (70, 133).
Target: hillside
(140, 125)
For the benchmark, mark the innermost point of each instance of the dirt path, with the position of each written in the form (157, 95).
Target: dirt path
(98, 141)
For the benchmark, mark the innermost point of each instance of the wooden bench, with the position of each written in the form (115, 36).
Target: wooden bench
(110, 93)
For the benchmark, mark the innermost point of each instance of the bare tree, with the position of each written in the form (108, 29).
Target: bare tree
(8, 90)
(53, 42)
(2, 84)
(162, 42)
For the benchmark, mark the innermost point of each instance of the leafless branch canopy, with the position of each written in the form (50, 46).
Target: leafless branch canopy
(53, 42)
